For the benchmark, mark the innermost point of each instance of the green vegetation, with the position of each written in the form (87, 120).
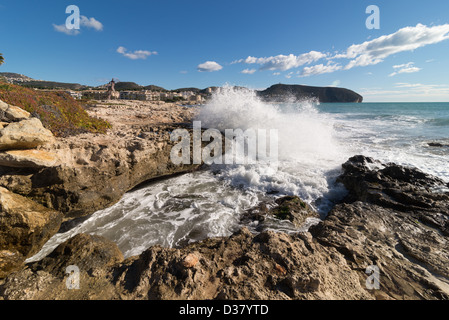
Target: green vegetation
(58, 111)
(51, 85)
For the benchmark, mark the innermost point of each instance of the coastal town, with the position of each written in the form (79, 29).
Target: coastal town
(109, 91)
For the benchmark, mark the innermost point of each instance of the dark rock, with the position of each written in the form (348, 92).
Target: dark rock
(283, 92)
(289, 208)
(392, 218)
(243, 266)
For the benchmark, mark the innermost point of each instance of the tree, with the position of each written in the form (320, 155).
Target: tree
(1, 59)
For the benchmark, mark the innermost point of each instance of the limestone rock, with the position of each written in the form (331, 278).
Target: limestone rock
(89, 253)
(393, 218)
(290, 208)
(47, 279)
(11, 113)
(25, 134)
(9, 262)
(190, 261)
(28, 159)
(25, 225)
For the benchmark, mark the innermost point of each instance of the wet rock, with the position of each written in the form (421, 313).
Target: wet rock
(288, 208)
(394, 219)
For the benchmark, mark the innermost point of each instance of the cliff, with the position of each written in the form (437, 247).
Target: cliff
(283, 92)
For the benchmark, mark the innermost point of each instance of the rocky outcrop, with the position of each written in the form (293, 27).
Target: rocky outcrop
(288, 208)
(10, 113)
(284, 92)
(28, 159)
(81, 174)
(396, 218)
(24, 134)
(244, 266)
(25, 226)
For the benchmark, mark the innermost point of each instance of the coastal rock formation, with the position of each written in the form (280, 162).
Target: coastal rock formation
(244, 266)
(25, 226)
(396, 218)
(283, 92)
(290, 208)
(24, 134)
(12, 113)
(81, 174)
(28, 159)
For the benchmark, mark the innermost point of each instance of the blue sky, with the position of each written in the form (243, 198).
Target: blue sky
(250, 43)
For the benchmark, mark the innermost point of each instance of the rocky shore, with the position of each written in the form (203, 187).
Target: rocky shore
(394, 218)
(75, 176)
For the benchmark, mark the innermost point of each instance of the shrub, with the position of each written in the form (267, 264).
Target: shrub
(57, 110)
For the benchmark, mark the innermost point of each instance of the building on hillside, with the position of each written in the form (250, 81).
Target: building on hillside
(75, 94)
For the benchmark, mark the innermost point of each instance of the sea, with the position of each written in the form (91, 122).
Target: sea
(314, 140)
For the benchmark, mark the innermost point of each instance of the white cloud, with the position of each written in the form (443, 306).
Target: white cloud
(63, 29)
(283, 62)
(209, 66)
(405, 39)
(320, 69)
(135, 55)
(404, 68)
(91, 23)
(86, 22)
(248, 71)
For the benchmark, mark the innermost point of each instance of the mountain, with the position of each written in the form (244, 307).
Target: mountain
(283, 92)
(196, 90)
(25, 81)
(127, 86)
(152, 87)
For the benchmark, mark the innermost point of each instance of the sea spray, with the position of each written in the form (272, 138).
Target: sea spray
(309, 155)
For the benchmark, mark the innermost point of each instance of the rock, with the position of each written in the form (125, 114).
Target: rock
(47, 279)
(25, 226)
(25, 134)
(437, 144)
(290, 208)
(9, 262)
(11, 113)
(89, 253)
(190, 261)
(295, 210)
(243, 266)
(268, 266)
(395, 219)
(28, 159)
